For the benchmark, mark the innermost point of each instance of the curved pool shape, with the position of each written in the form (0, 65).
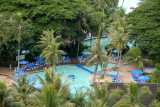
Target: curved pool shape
(81, 76)
(104, 40)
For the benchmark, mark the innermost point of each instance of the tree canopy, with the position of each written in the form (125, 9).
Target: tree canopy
(146, 27)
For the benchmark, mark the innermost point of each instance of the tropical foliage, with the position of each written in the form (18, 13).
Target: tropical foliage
(134, 96)
(51, 45)
(101, 96)
(146, 28)
(134, 55)
(156, 74)
(3, 93)
(119, 33)
(71, 19)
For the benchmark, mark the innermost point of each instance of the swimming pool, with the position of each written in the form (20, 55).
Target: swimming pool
(104, 40)
(81, 76)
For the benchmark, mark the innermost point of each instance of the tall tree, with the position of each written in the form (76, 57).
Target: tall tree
(20, 28)
(145, 30)
(134, 96)
(97, 56)
(119, 33)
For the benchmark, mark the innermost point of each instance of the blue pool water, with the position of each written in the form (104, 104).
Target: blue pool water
(105, 42)
(81, 76)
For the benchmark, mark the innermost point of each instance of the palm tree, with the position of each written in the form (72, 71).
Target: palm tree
(79, 99)
(50, 97)
(101, 96)
(21, 91)
(55, 79)
(134, 56)
(155, 104)
(51, 52)
(3, 93)
(20, 28)
(97, 56)
(134, 96)
(53, 93)
(119, 33)
(46, 39)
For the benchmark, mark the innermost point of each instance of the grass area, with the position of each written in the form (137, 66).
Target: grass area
(100, 77)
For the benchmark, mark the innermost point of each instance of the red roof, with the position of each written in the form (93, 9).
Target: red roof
(131, 7)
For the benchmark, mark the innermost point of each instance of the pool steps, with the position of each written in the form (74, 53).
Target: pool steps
(80, 66)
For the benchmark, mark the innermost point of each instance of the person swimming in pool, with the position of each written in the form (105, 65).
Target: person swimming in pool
(73, 79)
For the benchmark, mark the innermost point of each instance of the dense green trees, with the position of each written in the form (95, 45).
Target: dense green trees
(146, 27)
(68, 18)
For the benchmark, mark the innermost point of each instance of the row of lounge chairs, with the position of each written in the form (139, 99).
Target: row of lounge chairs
(31, 66)
(114, 57)
(81, 58)
(65, 59)
(136, 79)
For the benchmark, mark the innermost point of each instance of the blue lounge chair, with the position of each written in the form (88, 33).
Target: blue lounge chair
(138, 81)
(134, 77)
(68, 59)
(113, 78)
(64, 59)
(81, 59)
(16, 69)
(28, 67)
(143, 81)
(59, 60)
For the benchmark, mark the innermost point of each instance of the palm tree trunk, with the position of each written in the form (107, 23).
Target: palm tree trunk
(78, 49)
(117, 61)
(117, 64)
(90, 39)
(94, 79)
(18, 56)
(55, 68)
(107, 63)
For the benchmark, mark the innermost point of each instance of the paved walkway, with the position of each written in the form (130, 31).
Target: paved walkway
(124, 73)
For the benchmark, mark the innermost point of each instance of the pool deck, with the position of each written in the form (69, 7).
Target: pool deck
(124, 74)
(6, 74)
